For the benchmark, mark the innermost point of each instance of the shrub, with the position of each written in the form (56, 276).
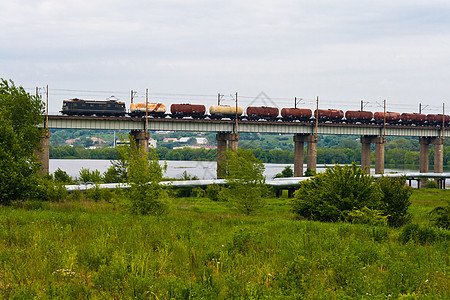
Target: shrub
(422, 235)
(62, 176)
(87, 175)
(367, 216)
(332, 195)
(287, 172)
(395, 200)
(431, 184)
(213, 192)
(246, 181)
(49, 190)
(440, 216)
(144, 175)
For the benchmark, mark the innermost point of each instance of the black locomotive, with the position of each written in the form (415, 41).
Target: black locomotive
(81, 107)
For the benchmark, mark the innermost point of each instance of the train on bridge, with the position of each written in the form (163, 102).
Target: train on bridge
(113, 107)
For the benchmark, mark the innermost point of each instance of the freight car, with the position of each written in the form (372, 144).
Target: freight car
(291, 114)
(196, 111)
(413, 118)
(358, 116)
(263, 112)
(329, 115)
(391, 117)
(156, 110)
(438, 119)
(80, 107)
(224, 111)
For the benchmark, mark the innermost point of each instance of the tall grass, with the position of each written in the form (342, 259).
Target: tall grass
(204, 249)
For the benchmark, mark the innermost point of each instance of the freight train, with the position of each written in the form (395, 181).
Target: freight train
(79, 107)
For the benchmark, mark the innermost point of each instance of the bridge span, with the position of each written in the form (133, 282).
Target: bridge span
(228, 137)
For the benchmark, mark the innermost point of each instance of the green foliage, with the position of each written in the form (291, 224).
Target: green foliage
(431, 184)
(86, 175)
(330, 196)
(50, 190)
(246, 181)
(144, 175)
(414, 233)
(287, 172)
(309, 173)
(440, 216)
(395, 201)
(62, 176)
(213, 192)
(367, 216)
(20, 113)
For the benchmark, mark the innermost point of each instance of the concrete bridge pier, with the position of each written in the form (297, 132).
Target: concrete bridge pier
(438, 143)
(141, 139)
(311, 153)
(224, 139)
(379, 142)
(44, 154)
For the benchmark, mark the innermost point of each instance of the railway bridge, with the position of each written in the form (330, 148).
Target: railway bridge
(228, 136)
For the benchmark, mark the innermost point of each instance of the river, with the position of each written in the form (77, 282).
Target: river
(175, 169)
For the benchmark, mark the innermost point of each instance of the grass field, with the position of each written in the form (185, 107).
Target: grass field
(203, 249)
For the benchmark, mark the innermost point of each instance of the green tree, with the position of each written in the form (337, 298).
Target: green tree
(145, 175)
(330, 196)
(287, 172)
(20, 113)
(394, 201)
(246, 180)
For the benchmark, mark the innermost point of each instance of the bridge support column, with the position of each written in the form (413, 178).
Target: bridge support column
(365, 153)
(141, 139)
(222, 139)
(438, 155)
(233, 141)
(299, 143)
(44, 154)
(379, 153)
(311, 152)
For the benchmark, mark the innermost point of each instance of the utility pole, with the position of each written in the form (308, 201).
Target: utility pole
(46, 110)
(236, 128)
(362, 105)
(146, 112)
(317, 115)
(443, 120)
(384, 119)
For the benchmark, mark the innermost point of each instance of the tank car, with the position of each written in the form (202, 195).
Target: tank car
(224, 111)
(358, 116)
(196, 111)
(329, 115)
(154, 109)
(391, 117)
(262, 112)
(437, 119)
(291, 114)
(80, 107)
(413, 118)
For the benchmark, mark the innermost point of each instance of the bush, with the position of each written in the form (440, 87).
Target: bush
(422, 235)
(367, 216)
(246, 181)
(213, 192)
(49, 190)
(431, 184)
(62, 176)
(395, 200)
(87, 175)
(440, 216)
(332, 195)
(144, 175)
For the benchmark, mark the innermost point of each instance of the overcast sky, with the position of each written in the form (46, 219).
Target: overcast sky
(343, 51)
